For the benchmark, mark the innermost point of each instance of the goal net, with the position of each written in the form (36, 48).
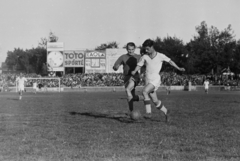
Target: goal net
(43, 84)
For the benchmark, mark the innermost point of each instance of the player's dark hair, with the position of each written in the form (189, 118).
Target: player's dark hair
(148, 43)
(130, 44)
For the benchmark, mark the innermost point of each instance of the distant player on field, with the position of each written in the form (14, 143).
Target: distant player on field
(1, 85)
(168, 86)
(20, 81)
(129, 62)
(35, 87)
(206, 86)
(153, 61)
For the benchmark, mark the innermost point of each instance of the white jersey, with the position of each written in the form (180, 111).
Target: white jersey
(153, 67)
(206, 84)
(20, 82)
(35, 85)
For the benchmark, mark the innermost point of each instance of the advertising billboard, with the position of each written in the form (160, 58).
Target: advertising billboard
(95, 62)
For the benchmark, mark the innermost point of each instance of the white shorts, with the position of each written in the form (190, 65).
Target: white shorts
(20, 88)
(155, 81)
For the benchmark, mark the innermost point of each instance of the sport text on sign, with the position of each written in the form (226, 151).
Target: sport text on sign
(73, 59)
(74, 55)
(74, 62)
(95, 54)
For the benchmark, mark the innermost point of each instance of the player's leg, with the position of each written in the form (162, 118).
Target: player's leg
(20, 93)
(167, 89)
(159, 105)
(136, 97)
(129, 87)
(45, 88)
(147, 101)
(168, 92)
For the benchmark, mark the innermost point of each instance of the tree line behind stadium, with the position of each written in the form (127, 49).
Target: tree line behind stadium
(208, 52)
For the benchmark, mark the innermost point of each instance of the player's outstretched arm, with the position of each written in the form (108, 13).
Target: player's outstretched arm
(175, 66)
(135, 70)
(117, 63)
(115, 68)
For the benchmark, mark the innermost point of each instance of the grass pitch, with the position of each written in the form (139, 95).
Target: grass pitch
(93, 126)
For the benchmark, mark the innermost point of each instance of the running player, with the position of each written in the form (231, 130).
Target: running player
(206, 86)
(129, 62)
(20, 84)
(35, 87)
(153, 61)
(168, 85)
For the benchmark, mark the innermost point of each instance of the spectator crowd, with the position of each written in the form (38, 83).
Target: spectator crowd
(116, 79)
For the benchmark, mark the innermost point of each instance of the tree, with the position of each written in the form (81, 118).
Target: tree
(39, 57)
(235, 58)
(174, 48)
(108, 45)
(18, 60)
(30, 60)
(44, 69)
(51, 38)
(11, 60)
(43, 43)
(211, 49)
(23, 59)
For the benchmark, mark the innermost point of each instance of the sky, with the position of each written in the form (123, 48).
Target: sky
(86, 24)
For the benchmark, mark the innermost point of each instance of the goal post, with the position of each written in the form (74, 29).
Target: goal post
(48, 83)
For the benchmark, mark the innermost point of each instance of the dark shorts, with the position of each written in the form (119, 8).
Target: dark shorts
(136, 79)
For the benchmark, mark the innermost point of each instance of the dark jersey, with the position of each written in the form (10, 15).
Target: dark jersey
(129, 63)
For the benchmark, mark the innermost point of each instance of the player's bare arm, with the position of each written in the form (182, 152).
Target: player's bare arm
(175, 66)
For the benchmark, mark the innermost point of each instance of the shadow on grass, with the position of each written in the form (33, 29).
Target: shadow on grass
(14, 99)
(121, 117)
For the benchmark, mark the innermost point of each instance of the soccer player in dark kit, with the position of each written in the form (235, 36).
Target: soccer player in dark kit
(129, 62)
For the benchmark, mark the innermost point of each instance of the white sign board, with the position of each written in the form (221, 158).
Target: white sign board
(55, 56)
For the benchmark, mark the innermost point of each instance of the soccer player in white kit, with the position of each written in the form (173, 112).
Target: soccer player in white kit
(206, 85)
(153, 61)
(35, 87)
(20, 84)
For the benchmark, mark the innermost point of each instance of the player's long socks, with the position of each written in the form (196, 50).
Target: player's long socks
(160, 106)
(147, 104)
(130, 103)
(138, 98)
(134, 98)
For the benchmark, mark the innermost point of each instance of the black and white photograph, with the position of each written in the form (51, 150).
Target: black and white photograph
(119, 80)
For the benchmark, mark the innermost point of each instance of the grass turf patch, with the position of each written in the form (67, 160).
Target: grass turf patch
(94, 126)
